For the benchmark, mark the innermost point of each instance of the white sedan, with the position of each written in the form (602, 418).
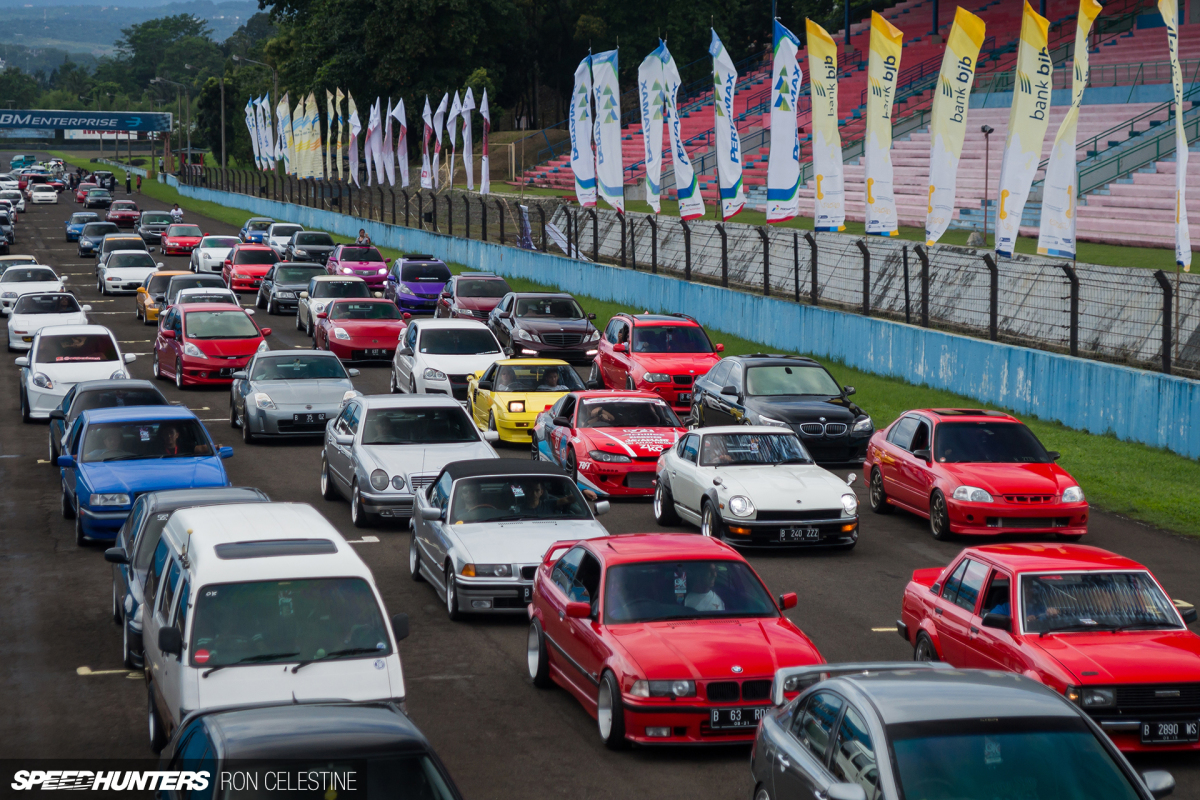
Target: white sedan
(17, 198)
(437, 356)
(754, 486)
(123, 271)
(209, 294)
(63, 356)
(210, 254)
(36, 311)
(43, 193)
(17, 281)
(279, 234)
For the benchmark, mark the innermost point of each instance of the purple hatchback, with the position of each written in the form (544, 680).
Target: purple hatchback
(415, 282)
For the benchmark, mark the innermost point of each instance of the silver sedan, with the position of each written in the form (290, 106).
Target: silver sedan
(282, 393)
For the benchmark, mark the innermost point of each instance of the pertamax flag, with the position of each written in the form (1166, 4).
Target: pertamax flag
(948, 125)
(650, 104)
(468, 105)
(402, 142)
(252, 127)
(452, 131)
(1183, 241)
(783, 161)
(1027, 121)
(300, 126)
(329, 140)
(438, 117)
(1056, 232)
(583, 161)
(268, 130)
(485, 173)
(610, 167)
(355, 128)
(687, 187)
(426, 168)
(883, 66)
(341, 142)
(729, 144)
(261, 132)
(829, 198)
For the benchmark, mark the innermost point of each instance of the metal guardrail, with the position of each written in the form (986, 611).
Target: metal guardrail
(1145, 150)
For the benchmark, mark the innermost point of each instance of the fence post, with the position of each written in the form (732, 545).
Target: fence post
(907, 311)
(483, 210)
(687, 249)
(994, 297)
(923, 254)
(449, 215)
(595, 235)
(567, 217)
(545, 239)
(866, 287)
(724, 254)
(433, 210)
(420, 209)
(1069, 271)
(653, 244)
(1161, 277)
(763, 232)
(624, 223)
(500, 214)
(349, 199)
(392, 192)
(796, 263)
(812, 245)
(633, 243)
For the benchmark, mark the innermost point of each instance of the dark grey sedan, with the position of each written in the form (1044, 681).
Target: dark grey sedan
(311, 246)
(286, 393)
(907, 729)
(281, 286)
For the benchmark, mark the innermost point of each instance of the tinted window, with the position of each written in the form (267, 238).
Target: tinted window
(122, 260)
(814, 728)
(1094, 601)
(219, 325)
(255, 257)
(152, 218)
(297, 274)
(341, 289)
(314, 239)
(513, 498)
(854, 755)
(532, 378)
(424, 271)
(548, 308)
(360, 254)
(348, 309)
(670, 339)
(475, 287)
(180, 282)
(148, 542)
(297, 368)
(46, 304)
(564, 570)
(77, 219)
(155, 569)
(901, 435)
(788, 379)
(661, 590)
(127, 441)
(718, 373)
(79, 347)
(114, 398)
(418, 426)
(158, 283)
(728, 449)
(127, 243)
(688, 448)
(458, 342)
(991, 442)
(258, 225)
(219, 241)
(971, 585)
(626, 413)
(951, 588)
(184, 230)
(285, 230)
(28, 275)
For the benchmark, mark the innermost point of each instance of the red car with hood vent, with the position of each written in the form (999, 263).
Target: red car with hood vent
(663, 638)
(205, 343)
(1094, 626)
(608, 441)
(246, 264)
(471, 295)
(360, 329)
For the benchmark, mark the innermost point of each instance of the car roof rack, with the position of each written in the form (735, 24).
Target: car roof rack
(795, 679)
(420, 257)
(967, 412)
(779, 355)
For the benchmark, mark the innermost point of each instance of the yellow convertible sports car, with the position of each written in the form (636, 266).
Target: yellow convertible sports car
(508, 395)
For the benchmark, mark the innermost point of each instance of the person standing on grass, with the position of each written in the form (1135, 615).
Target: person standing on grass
(128, 184)
(139, 184)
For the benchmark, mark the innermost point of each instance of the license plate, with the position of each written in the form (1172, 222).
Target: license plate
(736, 717)
(685, 397)
(375, 352)
(1170, 732)
(799, 534)
(225, 372)
(308, 418)
(526, 594)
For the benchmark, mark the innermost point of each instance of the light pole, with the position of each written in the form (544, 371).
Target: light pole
(188, 95)
(987, 131)
(274, 74)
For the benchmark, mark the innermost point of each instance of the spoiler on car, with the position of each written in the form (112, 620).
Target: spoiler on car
(557, 547)
(796, 679)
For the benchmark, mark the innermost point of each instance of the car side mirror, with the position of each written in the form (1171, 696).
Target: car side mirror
(485, 386)
(848, 390)
(161, 265)
(57, 414)
(562, 422)
(1160, 782)
(66, 461)
(170, 640)
(431, 513)
(85, 307)
(406, 351)
(619, 347)
(1054, 455)
(130, 358)
(1186, 610)
(343, 439)
(391, 278)
(491, 437)
(400, 626)
(240, 375)
(266, 331)
(720, 348)
(579, 610)
(116, 555)
(851, 478)
(224, 452)
(353, 373)
(249, 312)
(788, 600)
(1000, 621)
(142, 289)
(729, 390)
(591, 316)
(168, 334)
(322, 315)
(602, 507)
(846, 791)
(304, 295)
(21, 361)
(924, 455)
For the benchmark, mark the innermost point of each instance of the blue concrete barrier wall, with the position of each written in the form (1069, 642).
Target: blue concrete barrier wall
(1155, 409)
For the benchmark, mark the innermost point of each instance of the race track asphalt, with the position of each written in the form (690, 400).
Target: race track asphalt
(466, 681)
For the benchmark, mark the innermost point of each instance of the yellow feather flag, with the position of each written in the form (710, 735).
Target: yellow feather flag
(883, 66)
(829, 203)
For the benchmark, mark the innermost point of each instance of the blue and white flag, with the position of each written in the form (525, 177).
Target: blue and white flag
(583, 161)
(610, 166)
(729, 145)
(687, 188)
(252, 127)
(650, 101)
(783, 164)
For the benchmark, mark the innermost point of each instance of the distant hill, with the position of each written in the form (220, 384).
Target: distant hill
(44, 58)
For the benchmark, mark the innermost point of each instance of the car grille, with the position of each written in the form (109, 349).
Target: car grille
(562, 339)
(823, 429)
(288, 426)
(732, 691)
(756, 690)
(1029, 498)
(722, 691)
(422, 480)
(458, 386)
(639, 480)
(528, 573)
(798, 515)
(683, 380)
(1028, 522)
(1158, 696)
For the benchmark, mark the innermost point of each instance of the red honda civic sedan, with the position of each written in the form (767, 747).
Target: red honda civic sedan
(181, 240)
(82, 189)
(360, 329)
(972, 472)
(124, 213)
(663, 638)
(246, 264)
(1094, 626)
(205, 343)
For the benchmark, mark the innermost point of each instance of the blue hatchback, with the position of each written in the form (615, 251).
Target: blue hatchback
(77, 221)
(113, 455)
(255, 230)
(92, 235)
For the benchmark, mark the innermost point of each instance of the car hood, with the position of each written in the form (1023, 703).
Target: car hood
(458, 365)
(479, 303)
(421, 288)
(353, 679)
(711, 649)
(292, 286)
(215, 253)
(32, 323)
(1127, 657)
(632, 442)
(554, 325)
(412, 459)
(184, 239)
(320, 393)
(257, 270)
(316, 248)
(677, 363)
(787, 487)
(32, 287)
(362, 264)
(523, 542)
(387, 332)
(71, 373)
(227, 347)
(999, 479)
(800, 408)
(143, 475)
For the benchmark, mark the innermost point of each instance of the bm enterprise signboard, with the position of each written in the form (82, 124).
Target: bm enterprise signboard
(86, 120)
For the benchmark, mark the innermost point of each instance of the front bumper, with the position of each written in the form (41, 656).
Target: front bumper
(997, 518)
(151, 312)
(245, 283)
(73, 236)
(494, 595)
(16, 342)
(151, 237)
(635, 479)
(288, 303)
(102, 524)
(121, 285)
(124, 223)
(43, 401)
(831, 532)
(848, 449)
(49, 199)
(178, 249)
(414, 305)
(687, 722)
(212, 371)
(388, 504)
(515, 427)
(579, 355)
(86, 249)
(361, 350)
(1125, 731)
(281, 421)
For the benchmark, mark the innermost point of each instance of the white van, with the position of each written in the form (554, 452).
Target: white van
(262, 602)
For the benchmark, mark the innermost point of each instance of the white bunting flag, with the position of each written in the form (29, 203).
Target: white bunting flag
(401, 143)
(1169, 9)
(468, 105)
(452, 132)
(252, 127)
(583, 161)
(355, 129)
(369, 143)
(687, 187)
(426, 169)
(438, 117)
(268, 128)
(485, 173)
(650, 101)
(389, 153)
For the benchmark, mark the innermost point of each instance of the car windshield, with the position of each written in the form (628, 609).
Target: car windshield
(98, 193)
(670, 339)
(458, 342)
(360, 254)
(259, 224)
(16, 261)
(987, 442)
(28, 275)
(440, 425)
(181, 282)
(297, 368)
(511, 498)
(314, 239)
(537, 378)
(123, 205)
(219, 325)
(47, 304)
(14, 194)
(115, 398)
(128, 441)
(297, 274)
(627, 413)
(349, 309)
(424, 272)
(83, 219)
(485, 287)
(206, 296)
(156, 219)
(263, 622)
(158, 283)
(732, 449)
(341, 289)
(184, 230)
(1010, 758)
(218, 241)
(255, 257)
(127, 243)
(549, 308)
(790, 379)
(666, 590)
(100, 228)
(121, 260)
(285, 231)
(1082, 601)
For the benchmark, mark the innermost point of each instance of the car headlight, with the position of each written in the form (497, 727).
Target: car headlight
(119, 375)
(657, 377)
(42, 380)
(1098, 698)
(116, 499)
(9, 295)
(381, 271)
(318, 308)
(594, 336)
(347, 270)
(263, 347)
(432, 374)
(349, 395)
(1072, 495)
(524, 334)
(379, 480)
(263, 401)
(340, 333)
(663, 689)
(300, 251)
(972, 494)
(190, 349)
(487, 570)
(864, 424)
(516, 406)
(850, 504)
(397, 481)
(777, 423)
(741, 506)
(286, 295)
(612, 458)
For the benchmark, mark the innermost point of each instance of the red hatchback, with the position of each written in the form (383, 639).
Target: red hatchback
(610, 441)
(205, 343)
(246, 264)
(82, 189)
(663, 638)
(360, 329)
(124, 213)
(471, 295)
(660, 353)
(181, 240)
(972, 472)
(1094, 626)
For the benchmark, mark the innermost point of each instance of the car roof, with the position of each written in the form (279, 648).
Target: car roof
(309, 353)
(253, 246)
(537, 362)
(128, 252)
(441, 324)
(137, 413)
(968, 414)
(106, 385)
(72, 330)
(476, 467)
(347, 278)
(115, 236)
(662, 319)
(171, 272)
(260, 219)
(372, 401)
(547, 295)
(172, 499)
(637, 547)
(477, 275)
(21, 258)
(770, 358)
(212, 526)
(210, 307)
(1035, 557)
(421, 257)
(616, 394)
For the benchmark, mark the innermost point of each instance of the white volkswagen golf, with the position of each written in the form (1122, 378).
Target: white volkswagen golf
(36, 311)
(436, 356)
(63, 356)
(123, 271)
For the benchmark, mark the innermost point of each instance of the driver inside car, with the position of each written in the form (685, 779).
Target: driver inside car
(700, 593)
(109, 446)
(550, 381)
